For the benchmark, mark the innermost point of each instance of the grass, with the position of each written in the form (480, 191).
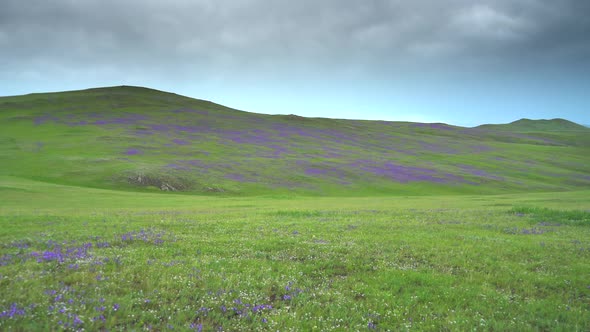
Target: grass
(130, 209)
(137, 139)
(527, 125)
(78, 258)
(556, 217)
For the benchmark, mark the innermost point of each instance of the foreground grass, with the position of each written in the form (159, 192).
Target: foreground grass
(73, 259)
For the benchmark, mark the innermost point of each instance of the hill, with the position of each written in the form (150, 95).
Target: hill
(528, 125)
(132, 138)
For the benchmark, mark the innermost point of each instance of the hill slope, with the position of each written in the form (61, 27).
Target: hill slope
(142, 139)
(528, 125)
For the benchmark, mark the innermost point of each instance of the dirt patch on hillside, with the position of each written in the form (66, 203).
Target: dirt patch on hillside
(164, 182)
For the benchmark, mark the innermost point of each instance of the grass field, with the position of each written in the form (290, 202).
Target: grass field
(76, 258)
(130, 209)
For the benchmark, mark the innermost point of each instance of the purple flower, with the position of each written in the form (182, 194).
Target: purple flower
(260, 307)
(198, 327)
(132, 152)
(180, 142)
(77, 321)
(13, 311)
(116, 307)
(235, 177)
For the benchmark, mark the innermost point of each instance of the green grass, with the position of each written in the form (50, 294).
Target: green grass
(83, 138)
(553, 216)
(527, 125)
(283, 223)
(433, 263)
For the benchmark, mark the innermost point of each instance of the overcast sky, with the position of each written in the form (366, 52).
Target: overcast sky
(462, 62)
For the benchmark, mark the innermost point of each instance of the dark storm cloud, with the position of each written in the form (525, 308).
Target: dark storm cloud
(203, 36)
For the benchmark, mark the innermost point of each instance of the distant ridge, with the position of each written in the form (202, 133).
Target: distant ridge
(135, 138)
(524, 125)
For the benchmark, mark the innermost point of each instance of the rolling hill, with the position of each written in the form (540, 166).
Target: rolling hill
(133, 138)
(528, 125)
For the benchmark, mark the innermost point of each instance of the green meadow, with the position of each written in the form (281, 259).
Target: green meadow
(128, 209)
(141, 261)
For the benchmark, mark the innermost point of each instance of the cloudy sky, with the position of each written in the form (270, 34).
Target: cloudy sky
(462, 62)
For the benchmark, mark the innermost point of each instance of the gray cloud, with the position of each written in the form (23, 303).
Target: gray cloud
(339, 30)
(182, 36)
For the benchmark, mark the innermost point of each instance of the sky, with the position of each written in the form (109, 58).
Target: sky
(463, 62)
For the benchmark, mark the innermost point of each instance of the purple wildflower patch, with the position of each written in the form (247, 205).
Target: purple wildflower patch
(190, 129)
(13, 311)
(21, 244)
(404, 174)
(44, 118)
(196, 326)
(6, 259)
(146, 236)
(316, 171)
(235, 177)
(478, 172)
(278, 150)
(160, 127)
(132, 152)
(61, 254)
(438, 148)
(180, 142)
(178, 167)
(526, 231)
(533, 231)
(131, 119)
(480, 148)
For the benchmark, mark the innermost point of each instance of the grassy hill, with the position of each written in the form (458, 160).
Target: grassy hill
(132, 138)
(528, 125)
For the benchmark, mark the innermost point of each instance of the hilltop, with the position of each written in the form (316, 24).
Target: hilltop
(528, 125)
(133, 138)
